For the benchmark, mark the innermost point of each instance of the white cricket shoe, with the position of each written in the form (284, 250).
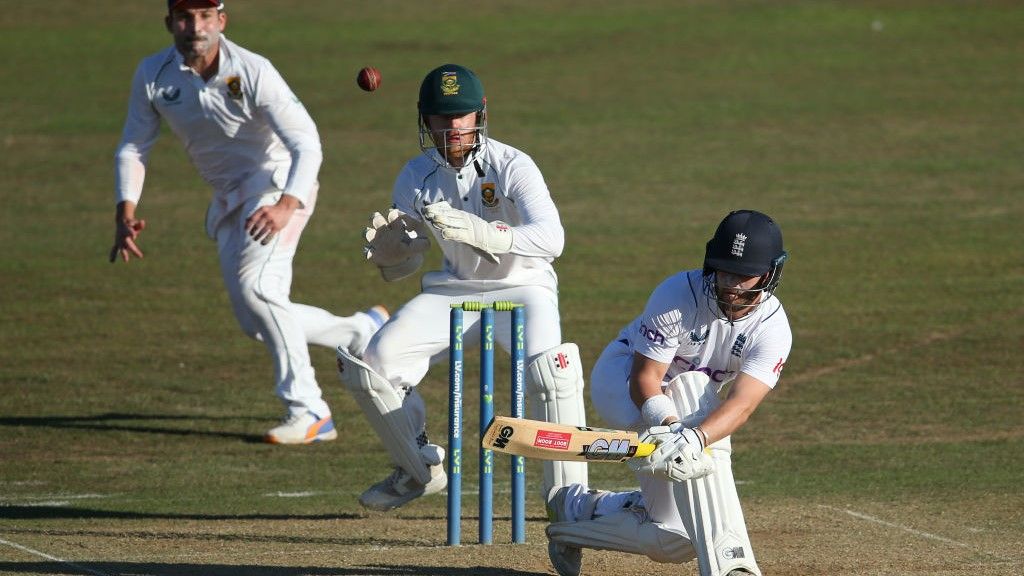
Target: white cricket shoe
(400, 487)
(567, 560)
(304, 428)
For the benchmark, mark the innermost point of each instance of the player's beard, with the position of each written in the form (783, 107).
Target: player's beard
(455, 152)
(736, 304)
(196, 46)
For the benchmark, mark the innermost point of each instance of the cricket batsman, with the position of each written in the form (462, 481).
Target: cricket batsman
(703, 332)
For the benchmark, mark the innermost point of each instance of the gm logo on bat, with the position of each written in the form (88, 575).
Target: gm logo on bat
(609, 449)
(503, 435)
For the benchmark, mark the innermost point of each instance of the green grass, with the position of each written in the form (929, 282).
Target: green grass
(885, 136)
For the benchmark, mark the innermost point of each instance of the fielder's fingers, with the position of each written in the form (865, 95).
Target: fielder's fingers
(130, 249)
(394, 214)
(378, 220)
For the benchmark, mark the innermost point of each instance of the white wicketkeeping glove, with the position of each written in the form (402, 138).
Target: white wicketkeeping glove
(488, 238)
(395, 243)
(679, 456)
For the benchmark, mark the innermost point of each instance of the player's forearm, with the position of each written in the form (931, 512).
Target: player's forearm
(303, 174)
(725, 420)
(645, 380)
(540, 239)
(129, 174)
(125, 211)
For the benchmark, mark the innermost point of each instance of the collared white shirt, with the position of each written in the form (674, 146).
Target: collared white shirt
(502, 183)
(680, 327)
(244, 129)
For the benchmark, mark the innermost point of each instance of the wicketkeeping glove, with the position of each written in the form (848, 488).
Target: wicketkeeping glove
(488, 238)
(680, 454)
(395, 243)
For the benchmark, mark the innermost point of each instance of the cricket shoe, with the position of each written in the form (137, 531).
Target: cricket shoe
(400, 487)
(567, 560)
(561, 497)
(304, 428)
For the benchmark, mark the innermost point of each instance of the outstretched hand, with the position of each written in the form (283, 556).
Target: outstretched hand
(125, 235)
(395, 243)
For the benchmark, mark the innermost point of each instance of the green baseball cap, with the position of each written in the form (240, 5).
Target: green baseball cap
(451, 89)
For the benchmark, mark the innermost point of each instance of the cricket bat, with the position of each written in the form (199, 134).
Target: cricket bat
(548, 441)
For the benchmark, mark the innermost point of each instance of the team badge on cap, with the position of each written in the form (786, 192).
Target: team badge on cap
(449, 84)
(738, 244)
(234, 87)
(487, 194)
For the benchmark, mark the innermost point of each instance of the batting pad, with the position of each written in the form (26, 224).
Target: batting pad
(710, 506)
(625, 531)
(382, 405)
(554, 383)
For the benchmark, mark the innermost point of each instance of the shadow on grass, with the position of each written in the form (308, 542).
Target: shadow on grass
(67, 513)
(115, 421)
(64, 513)
(162, 569)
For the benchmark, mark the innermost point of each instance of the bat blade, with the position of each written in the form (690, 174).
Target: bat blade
(549, 441)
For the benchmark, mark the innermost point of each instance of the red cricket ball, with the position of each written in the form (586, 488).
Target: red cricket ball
(368, 79)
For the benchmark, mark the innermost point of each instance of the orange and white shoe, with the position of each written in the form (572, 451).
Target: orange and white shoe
(304, 428)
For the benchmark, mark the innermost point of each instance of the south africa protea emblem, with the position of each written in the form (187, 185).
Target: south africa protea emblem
(487, 194)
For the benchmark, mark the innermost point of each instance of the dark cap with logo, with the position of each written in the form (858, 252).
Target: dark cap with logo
(451, 89)
(746, 242)
(218, 4)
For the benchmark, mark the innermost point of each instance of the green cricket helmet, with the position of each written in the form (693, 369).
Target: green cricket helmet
(451, 90)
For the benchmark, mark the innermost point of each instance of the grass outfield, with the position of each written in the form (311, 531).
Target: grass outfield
(886, 138)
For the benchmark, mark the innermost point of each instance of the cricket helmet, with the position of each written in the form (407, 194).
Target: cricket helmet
(746, 243)
(451, 90)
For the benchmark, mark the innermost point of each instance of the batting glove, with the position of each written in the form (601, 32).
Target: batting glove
(680, 454)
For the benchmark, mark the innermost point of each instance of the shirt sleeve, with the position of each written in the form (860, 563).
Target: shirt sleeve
(141, 129)
(765, 359)
(293, 124)
(540, 233)
(659, 326)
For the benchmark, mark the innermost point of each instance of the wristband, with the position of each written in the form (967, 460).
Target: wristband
(656, 409)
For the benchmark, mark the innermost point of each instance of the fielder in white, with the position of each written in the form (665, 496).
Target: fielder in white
(257, 147)
(488, 208)
(702, 331)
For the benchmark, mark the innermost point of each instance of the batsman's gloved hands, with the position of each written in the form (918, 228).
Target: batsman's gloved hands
(488, 238)
(679, 455)
(395, 243)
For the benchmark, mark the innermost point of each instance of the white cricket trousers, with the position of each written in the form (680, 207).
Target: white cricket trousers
(258, 279)
(417, 335)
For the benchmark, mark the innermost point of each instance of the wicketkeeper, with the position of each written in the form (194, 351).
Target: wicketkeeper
(701, 332)
(488, 208)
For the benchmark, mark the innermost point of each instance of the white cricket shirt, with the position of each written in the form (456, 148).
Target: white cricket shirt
(244, 129)
(679, 327)
(502, 183)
